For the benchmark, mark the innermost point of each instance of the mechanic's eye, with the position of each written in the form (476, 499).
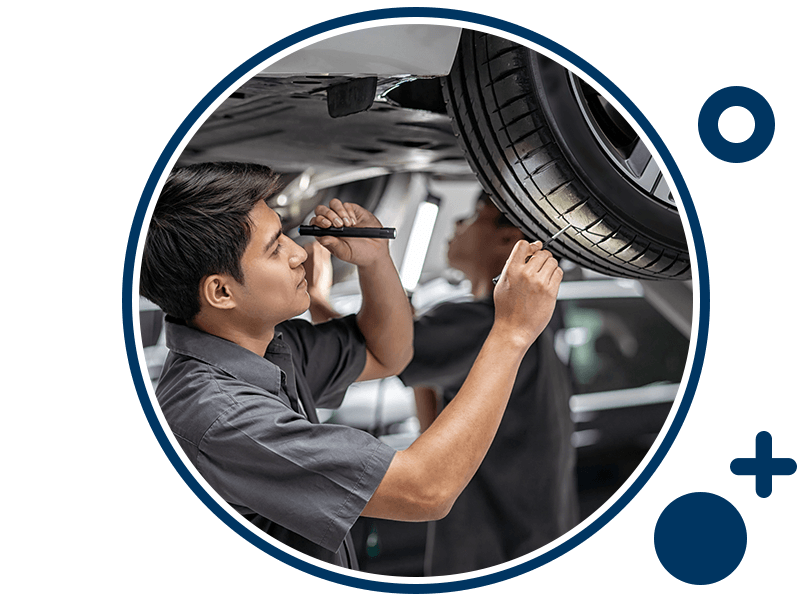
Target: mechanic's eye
(277, 249)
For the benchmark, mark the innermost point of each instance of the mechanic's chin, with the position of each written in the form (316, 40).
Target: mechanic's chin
(452, 256)
(302, 290)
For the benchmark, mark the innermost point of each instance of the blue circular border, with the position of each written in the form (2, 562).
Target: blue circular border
(138, 376)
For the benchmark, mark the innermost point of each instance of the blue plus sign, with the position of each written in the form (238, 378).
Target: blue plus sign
(764, 466)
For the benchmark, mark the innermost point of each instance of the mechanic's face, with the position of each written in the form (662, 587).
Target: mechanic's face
(274, 287)
(475, 239)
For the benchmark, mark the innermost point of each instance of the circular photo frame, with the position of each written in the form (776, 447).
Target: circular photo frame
(698, 261)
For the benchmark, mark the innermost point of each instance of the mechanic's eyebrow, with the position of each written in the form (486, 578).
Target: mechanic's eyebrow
(273, 239)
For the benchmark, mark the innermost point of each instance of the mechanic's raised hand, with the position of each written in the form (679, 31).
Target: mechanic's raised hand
(526, 292)
(318, 271)
(358, 251)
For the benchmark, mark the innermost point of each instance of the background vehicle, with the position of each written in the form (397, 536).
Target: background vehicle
(397, 118)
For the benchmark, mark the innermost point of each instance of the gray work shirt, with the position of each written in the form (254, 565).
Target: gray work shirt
(249, 426)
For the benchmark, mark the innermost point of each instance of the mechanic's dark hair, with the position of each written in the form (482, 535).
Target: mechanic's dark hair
(200, 226)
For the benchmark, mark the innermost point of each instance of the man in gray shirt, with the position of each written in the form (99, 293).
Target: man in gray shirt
(242, 382)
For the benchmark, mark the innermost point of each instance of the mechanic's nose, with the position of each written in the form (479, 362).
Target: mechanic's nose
(298, 256)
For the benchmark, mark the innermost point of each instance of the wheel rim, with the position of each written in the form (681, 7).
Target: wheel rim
(621, 144)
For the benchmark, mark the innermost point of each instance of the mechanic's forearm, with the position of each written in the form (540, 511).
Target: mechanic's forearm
(453, 447)
(385, 317)
(424, 481)
(426, 406)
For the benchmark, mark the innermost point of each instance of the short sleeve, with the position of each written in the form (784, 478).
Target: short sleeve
(329, 356)
(313, 479)
(446, 342)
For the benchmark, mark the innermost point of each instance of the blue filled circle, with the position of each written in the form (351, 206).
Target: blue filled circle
(719, 146)
(455, 18)
(700, 538)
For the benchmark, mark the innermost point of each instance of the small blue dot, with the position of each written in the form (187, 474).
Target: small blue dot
(700, 538)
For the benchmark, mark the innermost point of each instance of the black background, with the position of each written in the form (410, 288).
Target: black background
(668, 66)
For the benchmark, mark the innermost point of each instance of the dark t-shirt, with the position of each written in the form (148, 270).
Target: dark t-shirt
(523, 496)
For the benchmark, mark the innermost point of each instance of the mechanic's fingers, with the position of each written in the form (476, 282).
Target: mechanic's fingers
(518, 255)
(351, 211)
(556, 276)
(537, 260)
(329, 215)
(342, 214)
(321, 221)
(534, 247)
(324, 216)
(548, 268)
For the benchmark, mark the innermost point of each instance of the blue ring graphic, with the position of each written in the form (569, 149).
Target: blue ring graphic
(700, 264)
(719, 146)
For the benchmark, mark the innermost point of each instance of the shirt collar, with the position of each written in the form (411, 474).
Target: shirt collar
(228, 356)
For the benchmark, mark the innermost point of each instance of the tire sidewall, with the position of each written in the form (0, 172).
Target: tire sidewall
(609, 188)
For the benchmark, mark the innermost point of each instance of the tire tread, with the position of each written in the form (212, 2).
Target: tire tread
(502, 131)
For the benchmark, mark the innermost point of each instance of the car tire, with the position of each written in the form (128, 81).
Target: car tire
(549, 151)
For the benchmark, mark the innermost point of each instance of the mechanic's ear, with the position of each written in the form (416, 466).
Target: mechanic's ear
(215, 292)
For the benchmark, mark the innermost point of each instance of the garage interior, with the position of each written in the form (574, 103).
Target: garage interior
(626, 341)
